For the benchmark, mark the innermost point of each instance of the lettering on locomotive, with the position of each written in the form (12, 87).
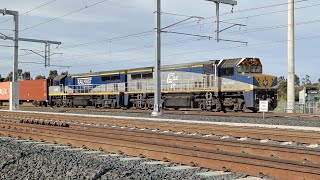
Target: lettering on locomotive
(172, 78)
(85, 81)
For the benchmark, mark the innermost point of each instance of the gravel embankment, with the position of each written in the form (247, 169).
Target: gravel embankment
(287, 121)
(29, 161)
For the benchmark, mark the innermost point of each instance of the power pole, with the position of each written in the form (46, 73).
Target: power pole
(157, 64)
(291, 59)
(14, 86)
(157, 36)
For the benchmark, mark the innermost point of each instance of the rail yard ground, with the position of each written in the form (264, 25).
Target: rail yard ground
(25, 160)
(207, 143)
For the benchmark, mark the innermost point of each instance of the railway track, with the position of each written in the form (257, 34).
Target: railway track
(122, 136)
(300, 136)
(177, 112)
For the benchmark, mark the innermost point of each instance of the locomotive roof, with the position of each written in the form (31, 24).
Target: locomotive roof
(145, 69)
(176, 66)
(230, 62)
(98, 73)
(235, 61)
(221, 63)
(58, 78)
(192, 64)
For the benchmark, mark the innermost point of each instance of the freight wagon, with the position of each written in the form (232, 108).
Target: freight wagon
(32, 91)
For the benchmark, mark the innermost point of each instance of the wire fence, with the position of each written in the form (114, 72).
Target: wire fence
(311, 107)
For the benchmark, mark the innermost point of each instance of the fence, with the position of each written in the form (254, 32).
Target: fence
(308, 108)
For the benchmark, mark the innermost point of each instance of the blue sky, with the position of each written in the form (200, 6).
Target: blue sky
(94, 27)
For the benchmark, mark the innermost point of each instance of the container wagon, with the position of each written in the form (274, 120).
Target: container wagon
(30, 91)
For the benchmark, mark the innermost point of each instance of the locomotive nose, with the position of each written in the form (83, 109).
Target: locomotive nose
(265, 81)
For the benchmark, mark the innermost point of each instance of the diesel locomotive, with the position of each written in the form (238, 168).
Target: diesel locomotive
(217, 85)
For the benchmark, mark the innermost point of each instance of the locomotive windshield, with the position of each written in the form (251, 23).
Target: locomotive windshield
(256, 69)
(243, 68)
(249, 66)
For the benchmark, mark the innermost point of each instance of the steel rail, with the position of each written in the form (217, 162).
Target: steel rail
(302, 136)
(183, 112)
(259, 149)
(235, 162)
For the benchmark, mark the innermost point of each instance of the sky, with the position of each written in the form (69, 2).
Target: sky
(103, 35)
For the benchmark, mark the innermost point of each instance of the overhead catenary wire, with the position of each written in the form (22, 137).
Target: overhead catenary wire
(151, 31)
(62, 16)
(244, 10)
(265, 6)
(166, 44)
(201, 51)
(38, 7)
(243, 17)
(184, 41)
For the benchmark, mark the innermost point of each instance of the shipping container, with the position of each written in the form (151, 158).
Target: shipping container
(29, 90)
(33, 90)
(4, 91)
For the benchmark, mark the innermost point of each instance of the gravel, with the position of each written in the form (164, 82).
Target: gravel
(288, 121)
(19, 160)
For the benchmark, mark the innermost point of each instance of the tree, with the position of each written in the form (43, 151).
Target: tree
(53, 74)
(65, 73)
(282, 90)
(20, 75)
(9, 77)
(26, 75)
(281, 79)
(297, 80)
(306, 80)
(1, 78)
(40, 77)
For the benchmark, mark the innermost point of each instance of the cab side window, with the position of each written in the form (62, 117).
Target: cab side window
(227, 72)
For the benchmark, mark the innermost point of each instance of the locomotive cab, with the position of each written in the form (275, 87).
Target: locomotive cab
(264, 86)
(249, 66)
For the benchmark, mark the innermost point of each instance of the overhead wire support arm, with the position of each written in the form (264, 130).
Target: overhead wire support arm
(179, 22)
(32, 62)
(187, 34)
(229, 2)
(46, 42)
(217, 2)
(4, 37)
(228, 40)
(25, 50)
(234, 25)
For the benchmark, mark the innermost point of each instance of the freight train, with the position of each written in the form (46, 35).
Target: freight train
(216, 85)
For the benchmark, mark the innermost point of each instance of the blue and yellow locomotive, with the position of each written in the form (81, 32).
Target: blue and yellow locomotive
(215, 85)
